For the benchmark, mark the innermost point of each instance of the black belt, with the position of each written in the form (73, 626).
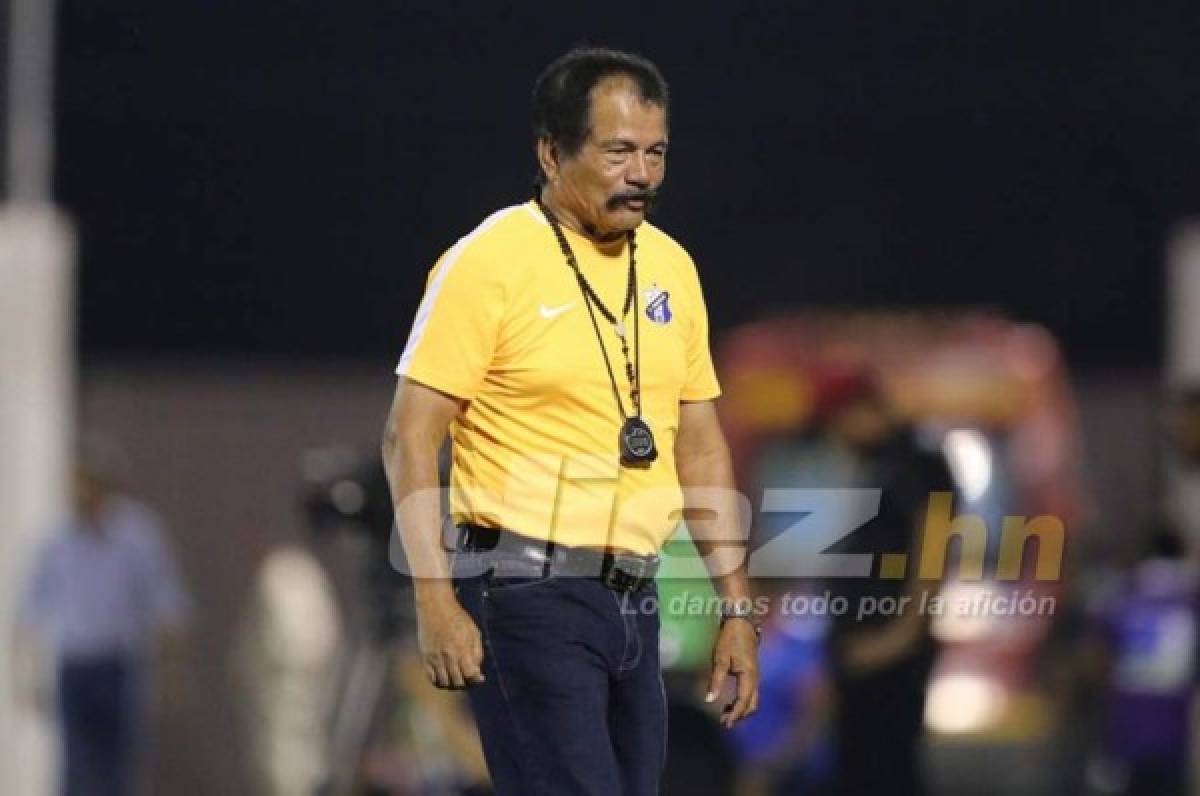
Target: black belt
(621, 572)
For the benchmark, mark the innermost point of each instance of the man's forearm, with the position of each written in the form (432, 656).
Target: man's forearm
(412, 471)
(711, 511)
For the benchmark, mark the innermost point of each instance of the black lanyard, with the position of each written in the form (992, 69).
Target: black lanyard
(636, 441)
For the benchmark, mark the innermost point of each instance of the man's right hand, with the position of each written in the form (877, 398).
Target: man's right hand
(450, 643)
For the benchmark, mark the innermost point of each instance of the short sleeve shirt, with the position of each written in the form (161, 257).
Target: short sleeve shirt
(504, 325)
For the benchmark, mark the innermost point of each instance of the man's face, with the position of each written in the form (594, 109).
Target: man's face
(623, 160)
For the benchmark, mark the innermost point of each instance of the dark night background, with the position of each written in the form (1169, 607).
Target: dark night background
(276, 178)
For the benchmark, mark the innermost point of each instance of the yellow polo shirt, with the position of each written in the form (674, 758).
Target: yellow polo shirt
(504, 325)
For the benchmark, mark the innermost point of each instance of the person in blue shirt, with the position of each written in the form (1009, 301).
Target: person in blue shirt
(785, 747)
(104, 593)
(1147, 632)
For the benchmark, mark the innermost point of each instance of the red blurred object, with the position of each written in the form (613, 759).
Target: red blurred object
(944, 371)
(836, 388)
(970, 369)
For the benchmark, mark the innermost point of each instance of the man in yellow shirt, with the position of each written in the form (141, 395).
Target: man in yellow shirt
(563, 344)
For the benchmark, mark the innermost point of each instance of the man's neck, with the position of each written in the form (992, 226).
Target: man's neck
(571, 221)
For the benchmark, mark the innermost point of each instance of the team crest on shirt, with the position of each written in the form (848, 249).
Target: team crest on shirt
(658, 307)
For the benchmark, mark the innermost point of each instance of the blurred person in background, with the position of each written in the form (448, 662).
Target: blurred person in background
(531, 343)
(104, 600)
(284, 658)
(1143, 648)
(880, 663)
(784, 749)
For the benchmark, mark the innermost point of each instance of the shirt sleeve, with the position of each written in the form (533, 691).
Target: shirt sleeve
(701, 384)
(455, 333)
(169, 605)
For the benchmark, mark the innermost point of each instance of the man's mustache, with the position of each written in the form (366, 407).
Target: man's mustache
(649, 196)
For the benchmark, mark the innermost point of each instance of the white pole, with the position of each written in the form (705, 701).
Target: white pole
(36, 373)
(29, 140)
(36, 365)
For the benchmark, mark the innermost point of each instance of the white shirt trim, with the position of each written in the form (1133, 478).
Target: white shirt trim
(431, 295)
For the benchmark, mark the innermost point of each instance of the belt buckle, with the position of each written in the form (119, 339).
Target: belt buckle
(625, 572)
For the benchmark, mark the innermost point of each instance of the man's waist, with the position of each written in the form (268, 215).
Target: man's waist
(620, 570)
(580, 511)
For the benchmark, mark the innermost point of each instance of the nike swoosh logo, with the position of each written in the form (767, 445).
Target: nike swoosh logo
(554, 312)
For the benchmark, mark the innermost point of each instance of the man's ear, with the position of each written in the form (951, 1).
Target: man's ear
(547, 155)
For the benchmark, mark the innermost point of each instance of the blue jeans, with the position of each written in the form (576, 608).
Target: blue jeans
(97, 702)
(574, 701)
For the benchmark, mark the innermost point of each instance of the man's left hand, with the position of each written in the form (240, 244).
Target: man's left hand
(735, 653)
